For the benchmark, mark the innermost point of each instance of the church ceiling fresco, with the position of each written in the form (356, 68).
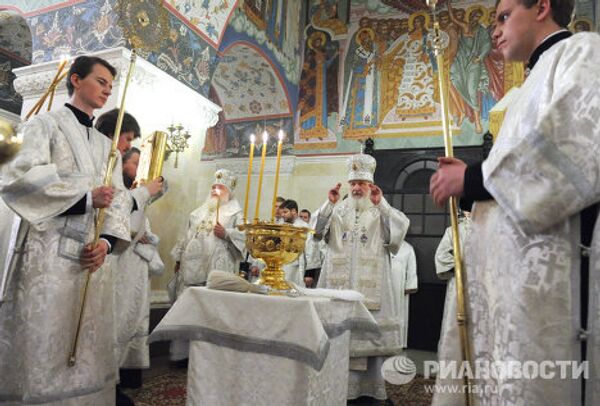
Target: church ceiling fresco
(29, 7)
(248, 86)
(208, 18)
(275, 26)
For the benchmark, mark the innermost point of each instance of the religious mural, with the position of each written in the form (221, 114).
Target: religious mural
(208, 18)
(274, 25)
(237, 137)
(390, 74)
(248, 85)
(330, 15)
(318, 85)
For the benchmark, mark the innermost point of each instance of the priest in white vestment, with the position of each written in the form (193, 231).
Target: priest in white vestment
(449, 346)
(54, 185)
(405, 283)
(361, 232)
(210, 244)
(523, 256)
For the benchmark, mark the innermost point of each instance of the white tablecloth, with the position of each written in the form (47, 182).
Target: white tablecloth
(249, 349)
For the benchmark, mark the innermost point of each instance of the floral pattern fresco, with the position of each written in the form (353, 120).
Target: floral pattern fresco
(209, 18)
(248, 87)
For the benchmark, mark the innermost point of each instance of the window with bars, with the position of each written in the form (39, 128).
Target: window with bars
(411, 196)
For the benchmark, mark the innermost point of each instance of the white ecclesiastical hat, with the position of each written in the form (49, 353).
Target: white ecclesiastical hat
(226, 178)
(361, 167)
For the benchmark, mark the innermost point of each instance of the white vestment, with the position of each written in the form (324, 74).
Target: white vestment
(449, 347)
(359, 244)
(200, 251)
(133, 269)
(404, 277)
(294, 271)
(523, 255)
(56, 167)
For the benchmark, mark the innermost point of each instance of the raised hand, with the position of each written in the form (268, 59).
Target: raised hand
(334, 194)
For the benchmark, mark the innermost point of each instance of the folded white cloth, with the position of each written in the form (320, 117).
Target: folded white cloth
(220, 280)
(340, 294)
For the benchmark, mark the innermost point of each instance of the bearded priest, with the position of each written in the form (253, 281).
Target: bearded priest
(210, 242)
(361, 232)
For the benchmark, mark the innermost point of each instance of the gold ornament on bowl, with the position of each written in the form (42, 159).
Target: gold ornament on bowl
(9, 142)
(276, 244)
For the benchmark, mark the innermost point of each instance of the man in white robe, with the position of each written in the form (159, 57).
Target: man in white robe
(525, 288)
(405, 282)
(294, 271)
(449, 347)
(361, 232)
(54, 185)
(209, 244)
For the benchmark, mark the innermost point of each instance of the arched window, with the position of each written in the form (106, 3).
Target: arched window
(411, 196)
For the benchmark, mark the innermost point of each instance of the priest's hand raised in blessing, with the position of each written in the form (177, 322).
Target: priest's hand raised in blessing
(375, 194)
(448, 180)
(220, 231)
(102, 197)
(334, 194)
(92, 258)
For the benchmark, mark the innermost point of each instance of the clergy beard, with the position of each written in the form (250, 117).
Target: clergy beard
(360, 203)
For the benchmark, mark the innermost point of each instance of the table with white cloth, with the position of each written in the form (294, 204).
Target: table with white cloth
(250, 349)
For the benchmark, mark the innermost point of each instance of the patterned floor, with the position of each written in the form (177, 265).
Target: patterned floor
(168, 389)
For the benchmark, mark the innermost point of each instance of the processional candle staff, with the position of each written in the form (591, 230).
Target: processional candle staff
(458, 268)
(279, 145)
(58, 77)
(265, 137)
(218, 192)
(252, 140)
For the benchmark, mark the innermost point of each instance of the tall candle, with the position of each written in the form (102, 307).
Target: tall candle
(252, 140)
(265, 138)
(279, 145)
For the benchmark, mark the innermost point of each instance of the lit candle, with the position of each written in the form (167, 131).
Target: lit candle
(252, 140)
(279, 144)
(265, 137)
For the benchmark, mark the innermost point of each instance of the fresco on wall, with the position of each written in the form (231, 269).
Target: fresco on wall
(330, 15)
(318, 86)
(275, 26)
(80, 29)
(215, 143)
(248, 86)
(208, 18)
(238, 138)
(390, 74)
(93, 25)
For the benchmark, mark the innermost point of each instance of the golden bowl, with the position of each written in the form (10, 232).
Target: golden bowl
(276, 244)
(9, 142)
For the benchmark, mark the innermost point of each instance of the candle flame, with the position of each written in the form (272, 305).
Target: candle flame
(252, 138)
(280, 135)
(265, 136)
(64, 58)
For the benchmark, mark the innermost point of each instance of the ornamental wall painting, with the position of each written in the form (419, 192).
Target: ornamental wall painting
(390, 83)
(318, 98)
(248, 85)
(238, 137)
(330, 15)
(209, 18)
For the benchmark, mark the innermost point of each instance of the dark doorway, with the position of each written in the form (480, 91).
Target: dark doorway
(404, 175)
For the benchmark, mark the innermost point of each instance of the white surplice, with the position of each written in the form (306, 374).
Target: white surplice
(359, 244)
(56, 167)
(523, 255)
(404, 277)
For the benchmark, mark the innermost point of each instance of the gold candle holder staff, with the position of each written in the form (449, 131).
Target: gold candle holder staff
(58, 77)
(218, 192)
(279, 146)
(252, 140)
(461, 315)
